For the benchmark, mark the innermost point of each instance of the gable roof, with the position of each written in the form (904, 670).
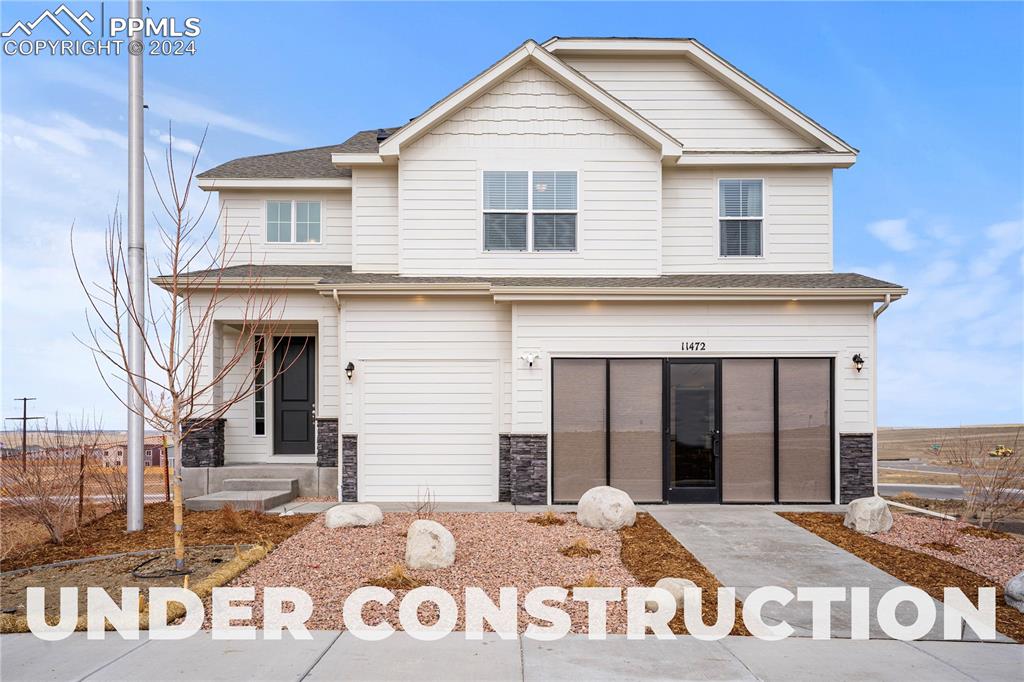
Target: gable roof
(314, 162)
(531, 52)
(716, 65)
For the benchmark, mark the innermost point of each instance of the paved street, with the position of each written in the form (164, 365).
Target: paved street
(334, 656)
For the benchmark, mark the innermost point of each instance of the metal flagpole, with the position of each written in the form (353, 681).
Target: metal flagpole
(136, 273)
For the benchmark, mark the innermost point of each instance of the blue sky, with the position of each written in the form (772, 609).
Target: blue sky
(932, 95)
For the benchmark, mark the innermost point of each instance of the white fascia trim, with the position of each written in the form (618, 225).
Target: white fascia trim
(531, 51)
(693, 294)
(799, 158)
(352, 159)
(717, 65)
(214, 184)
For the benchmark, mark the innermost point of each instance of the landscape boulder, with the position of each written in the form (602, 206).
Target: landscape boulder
(1014, 592)
(349, 515)
(675, 587)
(606, 508)
(868, 515)
(429, 545)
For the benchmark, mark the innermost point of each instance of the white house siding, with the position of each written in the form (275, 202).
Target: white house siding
(375, 219)
(440, 361)
(769, 329)
(298, 314)
(797, 232)
(529, 122)
(244, 228)
(687, 102)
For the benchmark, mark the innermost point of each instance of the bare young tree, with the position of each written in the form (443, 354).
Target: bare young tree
(993, 483)
(50, 489)
(188, 358)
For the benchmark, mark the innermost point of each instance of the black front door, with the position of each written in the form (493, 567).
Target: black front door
(692, 431)
(294, 395)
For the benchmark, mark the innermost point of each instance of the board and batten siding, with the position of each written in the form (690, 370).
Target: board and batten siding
(375, 219)
(297, 314)
(529, 122)
(243, 220)
(768, 329)
(797, 228)
(689, 103)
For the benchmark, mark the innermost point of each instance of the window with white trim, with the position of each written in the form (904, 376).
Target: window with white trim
(293, 222)
(259, 395)
(740, 217)
(530, 210)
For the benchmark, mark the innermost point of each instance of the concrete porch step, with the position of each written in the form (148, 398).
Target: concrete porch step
(253, 500)
(276, 484)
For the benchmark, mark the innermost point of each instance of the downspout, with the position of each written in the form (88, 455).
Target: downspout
(881, 308)
(341, 401)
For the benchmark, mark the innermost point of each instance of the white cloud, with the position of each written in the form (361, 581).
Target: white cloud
(893, 233)
(179, 144)
(1004, 239)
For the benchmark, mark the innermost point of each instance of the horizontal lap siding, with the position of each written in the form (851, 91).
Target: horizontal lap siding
(797, 225)
(375, 220)
(689, 103)
(243, 229)
(658, 329)
(529, 122)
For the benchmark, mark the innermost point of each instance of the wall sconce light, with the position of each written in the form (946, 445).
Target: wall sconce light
(858, 362)
(350, 370)
(528, 358)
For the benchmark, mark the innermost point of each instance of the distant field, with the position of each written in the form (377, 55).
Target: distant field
(899, 443)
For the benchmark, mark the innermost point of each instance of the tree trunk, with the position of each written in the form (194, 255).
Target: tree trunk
(179, 513)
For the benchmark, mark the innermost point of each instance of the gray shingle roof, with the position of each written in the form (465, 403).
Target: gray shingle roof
(342, 275)
(301, 163)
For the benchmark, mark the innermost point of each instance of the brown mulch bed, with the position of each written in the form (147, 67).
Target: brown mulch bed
(109, 574)
(107, 535)
(651, 553)
(923, 571)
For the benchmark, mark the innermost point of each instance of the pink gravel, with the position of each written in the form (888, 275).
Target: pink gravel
(998, 560)
(493, 550)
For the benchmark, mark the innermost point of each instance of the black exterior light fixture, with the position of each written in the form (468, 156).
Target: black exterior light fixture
(350, 370)
(858, 362)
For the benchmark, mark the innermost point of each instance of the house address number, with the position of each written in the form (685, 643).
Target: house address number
(694, 345)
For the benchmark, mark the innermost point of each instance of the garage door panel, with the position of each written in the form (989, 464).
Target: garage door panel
(429, 425)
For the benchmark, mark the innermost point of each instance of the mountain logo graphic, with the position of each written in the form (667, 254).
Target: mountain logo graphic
(77, 20)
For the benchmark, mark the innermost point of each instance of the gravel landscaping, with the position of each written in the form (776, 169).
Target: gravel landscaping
(493, 550)
(997, 556)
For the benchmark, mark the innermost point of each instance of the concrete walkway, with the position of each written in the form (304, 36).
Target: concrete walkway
(749, 547)
(334, 656)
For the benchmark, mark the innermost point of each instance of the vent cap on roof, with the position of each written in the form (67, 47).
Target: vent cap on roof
(382, 135)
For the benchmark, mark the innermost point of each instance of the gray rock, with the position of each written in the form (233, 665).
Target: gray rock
(429, 545)
(868, 515)
(606, 508)
(349, 515)
(1014, 592)
(675, 587)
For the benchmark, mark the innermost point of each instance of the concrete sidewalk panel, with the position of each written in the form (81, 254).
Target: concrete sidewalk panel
(989, 662)
(575, 659)
(26, 657)
(837, 660)
(202, 658)
(400, 657)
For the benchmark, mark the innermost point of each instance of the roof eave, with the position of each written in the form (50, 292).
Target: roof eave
(217, 184)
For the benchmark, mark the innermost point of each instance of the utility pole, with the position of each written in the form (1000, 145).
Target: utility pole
(136, 272)
(24, 430)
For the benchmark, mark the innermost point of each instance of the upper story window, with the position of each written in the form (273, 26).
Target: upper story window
(293, 221)
(741, 217)
(530, 210)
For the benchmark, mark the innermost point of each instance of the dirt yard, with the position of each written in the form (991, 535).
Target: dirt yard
(904, 443)
(493, 550)
(109, 574)
(920, 569)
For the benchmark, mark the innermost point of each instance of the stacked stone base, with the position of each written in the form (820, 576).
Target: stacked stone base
(856, 466)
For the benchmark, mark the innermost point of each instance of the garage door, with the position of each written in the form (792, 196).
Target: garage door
(429, 426)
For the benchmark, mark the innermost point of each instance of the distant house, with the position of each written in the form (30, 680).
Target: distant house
(115, 454)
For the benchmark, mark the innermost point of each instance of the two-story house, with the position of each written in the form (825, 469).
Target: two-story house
(600, 261)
